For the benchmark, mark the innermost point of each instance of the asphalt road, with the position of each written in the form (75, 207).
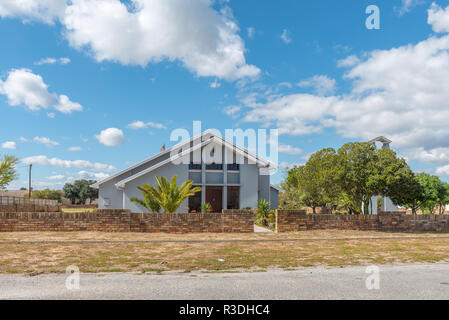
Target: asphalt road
(395, 282)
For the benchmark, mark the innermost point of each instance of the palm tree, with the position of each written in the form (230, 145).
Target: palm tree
(167, 194)
(149, 203)
(263, 211)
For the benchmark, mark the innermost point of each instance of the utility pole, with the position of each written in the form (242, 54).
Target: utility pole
(29, 182)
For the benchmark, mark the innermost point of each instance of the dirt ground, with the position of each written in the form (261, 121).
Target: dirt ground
(224, 252)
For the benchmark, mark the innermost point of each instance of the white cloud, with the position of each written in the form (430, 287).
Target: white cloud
(400, 93)
(74, 149)
(323, 85)
(66, 106)
(287, 165)
(215, 84)
(443, 171)
(46, 141)
(288, 149)
(9, 145)
(47, 11)
(92, 175)
(136, 125)
(111, 137)
(349, 61)
(295, 114)
(251, 32)
(432, 156)
(203, 38)
(22, 139)
(56, 177)
(206, 41)
(51, 115)
(50, 60)
(56, 162)
(285, 36)
(407, 6)
(232, 111)
(438, 18)
(22, 86)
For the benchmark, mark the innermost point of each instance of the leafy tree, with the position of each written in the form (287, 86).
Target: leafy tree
(291, 195)
(168, 195)
(356, 172)
(408, 195)
(443, 197)
(47, 194)
(70, 192)
(7, 170)
(432, 189)
(80, 191)
(149, 203)
(263, 211)
(313, 184)
(85, 190)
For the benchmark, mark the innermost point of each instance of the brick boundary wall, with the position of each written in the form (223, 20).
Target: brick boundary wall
(29, 208)
(298, 220)
(229, 221)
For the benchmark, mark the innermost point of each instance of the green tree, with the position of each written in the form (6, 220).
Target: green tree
(149, 203)
(291, 195)
(356, 172)
(47, 194)
(80, 191)
(168, 195)
(408, 195)
(443, 197)
(7, 170)
(263, 212)
(432, 189)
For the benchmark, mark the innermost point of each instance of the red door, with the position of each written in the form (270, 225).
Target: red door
(214, 196)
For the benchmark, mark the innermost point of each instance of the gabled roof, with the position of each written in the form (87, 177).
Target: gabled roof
(213, 137)
(381, 139)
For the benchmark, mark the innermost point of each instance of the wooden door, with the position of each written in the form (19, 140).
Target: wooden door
(214, 196)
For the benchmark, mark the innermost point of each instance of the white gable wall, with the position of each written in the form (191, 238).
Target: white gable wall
(169, 170)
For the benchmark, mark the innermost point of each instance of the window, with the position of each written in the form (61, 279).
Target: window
(195, 203)
(195, 166)
(233, 197)
(214, 166)
(233, 167)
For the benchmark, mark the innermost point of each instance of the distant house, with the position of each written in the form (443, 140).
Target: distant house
(236, 179)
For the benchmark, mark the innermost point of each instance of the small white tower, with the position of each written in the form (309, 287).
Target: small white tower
(385, 142)
(387, 204)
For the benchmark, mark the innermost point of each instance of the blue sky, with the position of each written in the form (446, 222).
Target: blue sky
(75, 76)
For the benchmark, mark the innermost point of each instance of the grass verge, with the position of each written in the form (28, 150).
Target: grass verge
(36, 258)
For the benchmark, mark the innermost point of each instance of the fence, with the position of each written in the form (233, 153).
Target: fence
(299, 220)
(229, 221)
(9, 201)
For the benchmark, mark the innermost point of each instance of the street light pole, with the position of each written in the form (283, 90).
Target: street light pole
(29, 182)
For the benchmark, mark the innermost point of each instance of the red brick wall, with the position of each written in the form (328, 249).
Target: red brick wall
(291, 220)
(125, 221)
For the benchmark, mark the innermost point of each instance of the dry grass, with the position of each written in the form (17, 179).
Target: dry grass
(78, 209)
(159, 257)
(315, 234)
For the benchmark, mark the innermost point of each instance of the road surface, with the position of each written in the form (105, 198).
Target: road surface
(395, 282)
